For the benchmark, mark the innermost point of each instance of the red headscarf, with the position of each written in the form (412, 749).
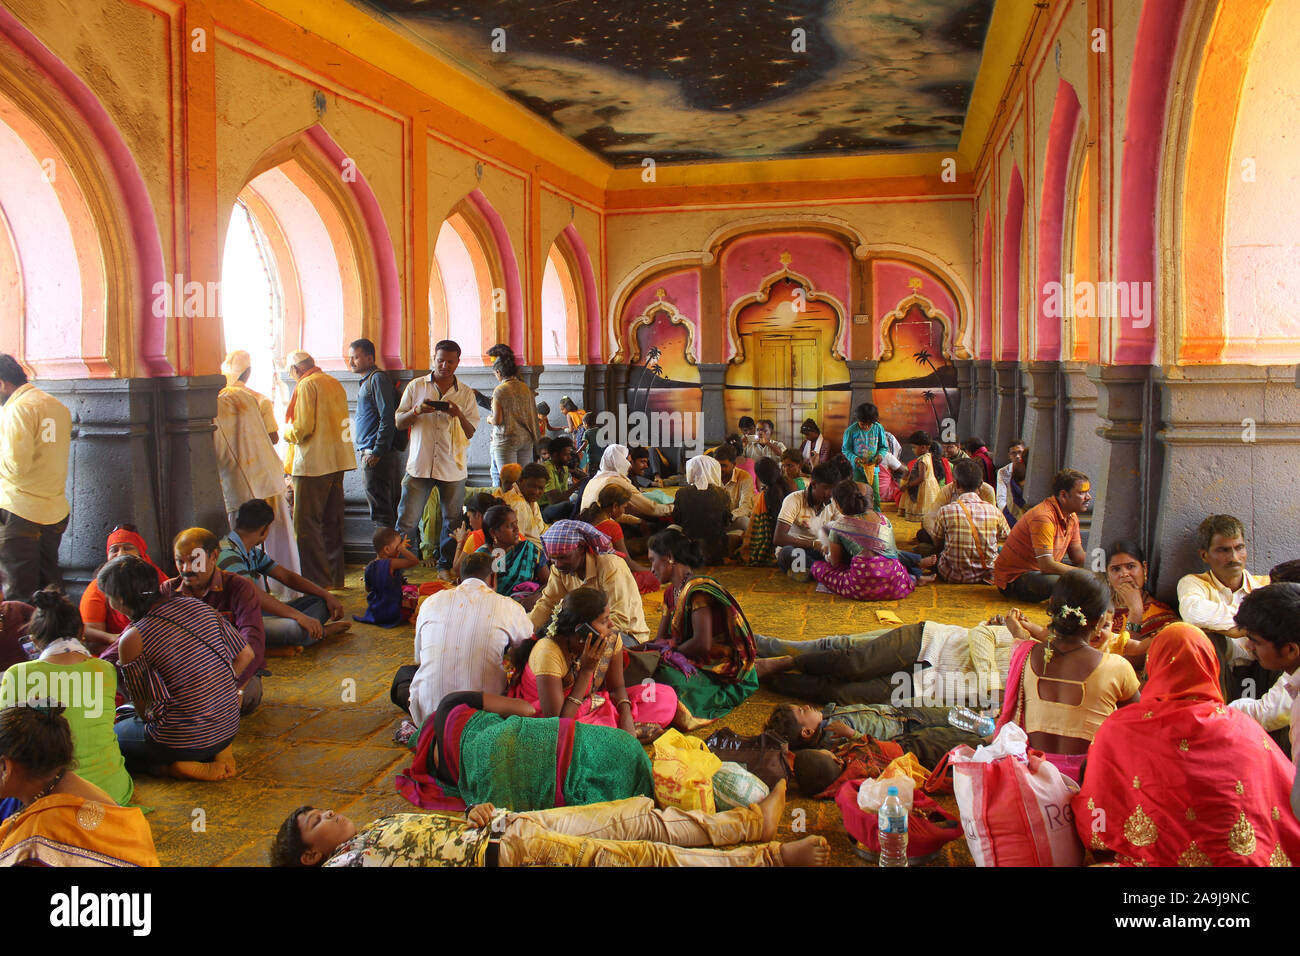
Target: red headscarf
(1178, 778)
(123, 536)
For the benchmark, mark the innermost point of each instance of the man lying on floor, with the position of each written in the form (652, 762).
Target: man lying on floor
(927, 663)
(622, 833)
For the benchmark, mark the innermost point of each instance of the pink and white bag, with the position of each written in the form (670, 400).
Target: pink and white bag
(1014, 804)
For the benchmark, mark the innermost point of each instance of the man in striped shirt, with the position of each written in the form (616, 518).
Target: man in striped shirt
(462, 636)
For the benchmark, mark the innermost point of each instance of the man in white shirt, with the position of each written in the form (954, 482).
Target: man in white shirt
(1209, 600)
(462, 637)
(1010, 492)
(927, 664)
(763, 446)
(802, 515)
(35, 437)
(442, 415)
(1270, 618)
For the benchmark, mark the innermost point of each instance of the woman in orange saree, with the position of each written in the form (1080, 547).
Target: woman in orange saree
(64, 820)
(1180, 779)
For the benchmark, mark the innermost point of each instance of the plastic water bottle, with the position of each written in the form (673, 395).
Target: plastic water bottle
(893, 830)
(963, 718)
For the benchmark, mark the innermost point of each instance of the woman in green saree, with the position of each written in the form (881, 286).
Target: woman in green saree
(521, 566)
(705, 643)
(483, 748)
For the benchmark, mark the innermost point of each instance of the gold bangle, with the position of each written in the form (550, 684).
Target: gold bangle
(575, 702)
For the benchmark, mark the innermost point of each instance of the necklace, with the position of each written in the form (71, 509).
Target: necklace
(49, 788)
(1051, 648)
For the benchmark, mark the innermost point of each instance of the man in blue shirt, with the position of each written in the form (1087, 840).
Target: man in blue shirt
(374, 432)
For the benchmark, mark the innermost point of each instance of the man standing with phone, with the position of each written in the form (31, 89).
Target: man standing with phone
(442, 415)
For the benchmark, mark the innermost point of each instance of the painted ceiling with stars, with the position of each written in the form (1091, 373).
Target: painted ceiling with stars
(718, 80)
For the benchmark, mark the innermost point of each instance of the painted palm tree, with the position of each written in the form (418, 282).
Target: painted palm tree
(923, 358)
(938, 425)
(652, 370)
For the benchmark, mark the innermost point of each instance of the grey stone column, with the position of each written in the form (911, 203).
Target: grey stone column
(1122, 475)
(714, 423)
(862, 383)
(483, 380)
(191, 492)
(113, 471)
(1041, 429)
(966, 392)
(1231, 445)
(1083, 446)
(982, 412)
(1006, 419)
(596, 388)
(142, 453)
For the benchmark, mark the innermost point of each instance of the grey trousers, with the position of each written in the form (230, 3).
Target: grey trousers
(29, 555)
(318, 524)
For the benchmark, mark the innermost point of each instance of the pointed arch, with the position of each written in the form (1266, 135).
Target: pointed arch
(102, 208)
(1061, 138)
(326, 240)
(1012, 236)
(984, 344)
(568, 297)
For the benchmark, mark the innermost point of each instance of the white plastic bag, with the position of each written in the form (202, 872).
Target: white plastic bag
(872, 793)
(1011, 741)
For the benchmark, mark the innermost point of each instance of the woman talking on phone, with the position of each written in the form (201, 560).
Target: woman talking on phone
(576, 671)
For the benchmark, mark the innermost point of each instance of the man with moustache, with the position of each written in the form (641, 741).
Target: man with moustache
(235, 598)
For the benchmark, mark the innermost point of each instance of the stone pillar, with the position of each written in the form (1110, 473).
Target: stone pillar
(966, 390)
(1041, 429)
(483, 380)
(142, 453)
(1083, 446)
(1231, 445)
(112, 467)
(1006, 418)
(191, 491)
(714, 422)
(1121, 474)
(862, 382)
(596, 388)
(982, 412)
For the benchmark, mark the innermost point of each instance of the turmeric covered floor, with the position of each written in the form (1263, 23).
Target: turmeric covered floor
(324, 733)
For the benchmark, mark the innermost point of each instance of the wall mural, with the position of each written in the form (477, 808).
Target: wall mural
(787, 365)
(683, 80)
(914, 381)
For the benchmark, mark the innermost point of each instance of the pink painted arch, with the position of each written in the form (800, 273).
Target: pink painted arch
(1051, 219)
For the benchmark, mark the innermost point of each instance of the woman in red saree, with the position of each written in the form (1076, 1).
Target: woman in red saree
(1180, 779)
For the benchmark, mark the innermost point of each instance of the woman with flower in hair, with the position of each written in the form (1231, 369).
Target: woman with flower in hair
(575, 670)
(1060, 690)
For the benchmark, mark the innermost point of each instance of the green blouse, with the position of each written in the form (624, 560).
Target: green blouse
(88, 691)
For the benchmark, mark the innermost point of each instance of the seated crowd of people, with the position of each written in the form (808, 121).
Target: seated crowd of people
(539, 676)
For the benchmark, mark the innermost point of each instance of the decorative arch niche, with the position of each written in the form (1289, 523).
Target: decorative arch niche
(785, 360)
(83, 252)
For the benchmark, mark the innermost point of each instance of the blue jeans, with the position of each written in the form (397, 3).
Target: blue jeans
(520, 454)
(284, 630)
(912, 562)
(415, 495)
(776, 647)
(142, 751)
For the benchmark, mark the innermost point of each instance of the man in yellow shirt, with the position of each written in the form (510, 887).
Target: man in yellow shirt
(35, 434)
(319, 427)
(583, 557)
